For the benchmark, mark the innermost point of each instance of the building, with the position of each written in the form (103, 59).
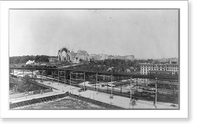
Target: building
(126, 57)
(111, 57)
(104, 56)
(168, 60)
(158, 68)
(130, 57)
(95, 57)
(82, 55)
(74, 59)
(64, 54)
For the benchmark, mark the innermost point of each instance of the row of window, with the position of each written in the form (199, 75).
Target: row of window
(159, 67)
(163, 69)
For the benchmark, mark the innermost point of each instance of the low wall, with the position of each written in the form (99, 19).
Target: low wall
(37, 100)
(18, 95)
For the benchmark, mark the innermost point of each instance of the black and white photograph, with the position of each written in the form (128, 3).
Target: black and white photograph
(94, 59)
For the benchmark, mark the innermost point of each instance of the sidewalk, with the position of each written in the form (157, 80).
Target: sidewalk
(104, 97)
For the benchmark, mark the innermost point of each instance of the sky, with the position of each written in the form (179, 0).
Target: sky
(147, 34)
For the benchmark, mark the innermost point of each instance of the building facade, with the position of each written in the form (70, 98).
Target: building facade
(159, 68)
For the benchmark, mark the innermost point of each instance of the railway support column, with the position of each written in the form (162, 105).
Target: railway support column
(65, 80)
(41, 75)
(58, 76)
(52, 72)
(111, 87)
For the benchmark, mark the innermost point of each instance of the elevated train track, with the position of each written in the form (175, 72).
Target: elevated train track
(131, 75)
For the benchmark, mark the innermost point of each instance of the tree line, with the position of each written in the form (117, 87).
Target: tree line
(111, 65)
(24, 59)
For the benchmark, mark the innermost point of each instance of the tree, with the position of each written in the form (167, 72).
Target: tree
(42, 58)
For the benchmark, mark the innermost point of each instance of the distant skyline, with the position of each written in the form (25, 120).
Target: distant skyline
(146, 34)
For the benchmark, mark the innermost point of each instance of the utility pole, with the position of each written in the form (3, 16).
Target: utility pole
(70, 81)
(84, 81)
(111, 88)
(65, 77)
(130, 98)
(155, 101)
(96, 82)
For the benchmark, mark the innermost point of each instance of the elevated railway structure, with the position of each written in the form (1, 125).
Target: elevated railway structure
(87, 72)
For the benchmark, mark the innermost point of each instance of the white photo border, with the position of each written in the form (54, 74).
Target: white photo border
(5, 112)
